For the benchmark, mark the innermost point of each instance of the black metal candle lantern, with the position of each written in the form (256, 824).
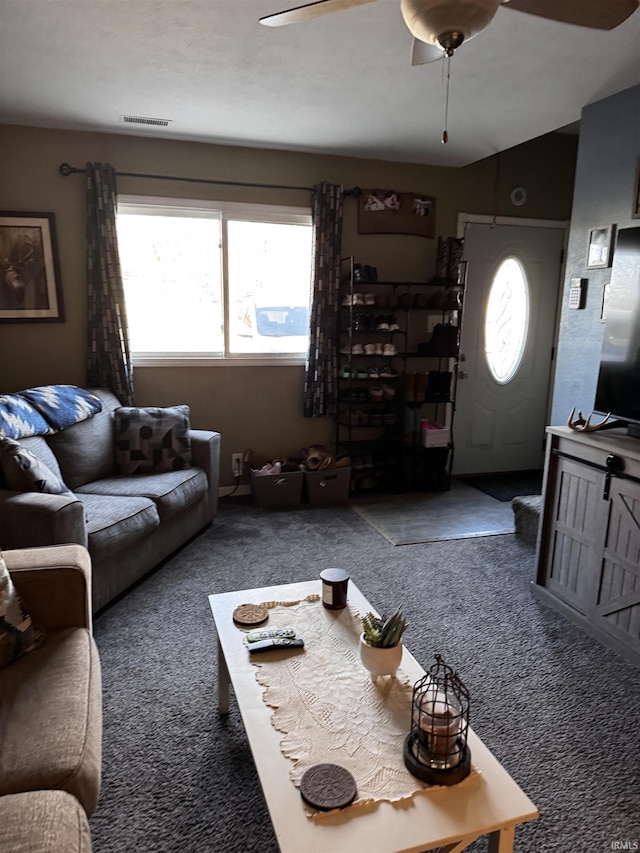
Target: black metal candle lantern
(436, 750)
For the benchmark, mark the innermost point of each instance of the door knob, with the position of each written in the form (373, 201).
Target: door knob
(462, 374)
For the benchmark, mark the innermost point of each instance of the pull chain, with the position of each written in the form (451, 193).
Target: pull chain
(445, 134)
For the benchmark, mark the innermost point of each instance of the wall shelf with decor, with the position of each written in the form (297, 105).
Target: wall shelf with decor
(398, 354)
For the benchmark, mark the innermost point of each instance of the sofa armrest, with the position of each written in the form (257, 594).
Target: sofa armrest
(54, 584)
(205, 454)
(29, 519)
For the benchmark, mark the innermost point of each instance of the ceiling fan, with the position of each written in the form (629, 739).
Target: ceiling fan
(439, 27)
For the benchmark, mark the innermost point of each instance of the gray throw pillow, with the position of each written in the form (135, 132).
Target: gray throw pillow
(152, 440)
(24, 472)
(18, 634)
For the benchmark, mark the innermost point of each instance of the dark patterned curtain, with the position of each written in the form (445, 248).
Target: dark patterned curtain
(322, 372)
(108, 356)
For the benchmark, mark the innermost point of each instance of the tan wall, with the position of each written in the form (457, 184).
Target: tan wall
(253, 407)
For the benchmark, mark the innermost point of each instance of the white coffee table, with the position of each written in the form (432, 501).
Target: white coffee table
(450, 818)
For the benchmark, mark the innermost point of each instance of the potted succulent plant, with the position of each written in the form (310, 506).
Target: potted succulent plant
(381, 642)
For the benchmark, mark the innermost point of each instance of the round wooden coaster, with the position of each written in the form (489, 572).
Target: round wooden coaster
(328, 786)
(250, 615)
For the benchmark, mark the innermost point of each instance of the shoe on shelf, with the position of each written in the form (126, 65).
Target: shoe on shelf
(360, 372)
(379, 349)
(388, 373)
(369, 299)
(347, 302)
(393, 323)
(389, 349)
(382, 324)
(376, 393)
(374, 372)
(360, 323)
(358, 299)
(357, 349)
(369, 349)
(388, 391)
(345, 371)
(346, 349)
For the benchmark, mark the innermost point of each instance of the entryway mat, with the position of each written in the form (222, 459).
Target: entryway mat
(506, 487)
(460, 513)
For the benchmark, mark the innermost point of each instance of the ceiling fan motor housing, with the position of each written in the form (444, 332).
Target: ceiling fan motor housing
(432, 20)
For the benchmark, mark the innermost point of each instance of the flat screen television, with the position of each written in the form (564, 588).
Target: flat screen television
(618, 389)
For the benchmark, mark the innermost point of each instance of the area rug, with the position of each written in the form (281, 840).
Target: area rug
(506, 487)
(462, 512)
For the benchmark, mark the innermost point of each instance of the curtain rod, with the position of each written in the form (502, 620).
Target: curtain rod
(66, 170)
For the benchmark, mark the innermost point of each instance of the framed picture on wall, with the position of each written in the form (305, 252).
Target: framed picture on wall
(600, 244)
(30, 287)
(636, 195)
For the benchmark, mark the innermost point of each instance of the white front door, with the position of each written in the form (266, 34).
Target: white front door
(506, 344)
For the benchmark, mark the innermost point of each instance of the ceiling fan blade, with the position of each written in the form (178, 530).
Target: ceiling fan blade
(595, 14)
(423, 54)
(312, 10)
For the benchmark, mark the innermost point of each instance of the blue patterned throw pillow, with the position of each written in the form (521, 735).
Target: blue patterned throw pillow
(18, 418)
(63, 405)
(18, 634)
(152, 440)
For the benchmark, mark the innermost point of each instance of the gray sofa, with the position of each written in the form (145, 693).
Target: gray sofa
(129, 524)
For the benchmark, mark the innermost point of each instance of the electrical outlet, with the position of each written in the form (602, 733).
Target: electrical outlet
(236, 464)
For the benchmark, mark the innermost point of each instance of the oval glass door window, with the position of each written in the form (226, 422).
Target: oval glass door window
(507, 320)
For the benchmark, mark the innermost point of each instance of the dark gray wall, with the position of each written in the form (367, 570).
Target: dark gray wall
(606, 169)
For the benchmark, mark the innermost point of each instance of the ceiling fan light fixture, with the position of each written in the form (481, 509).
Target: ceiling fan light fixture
(450, 41)
(429, 20)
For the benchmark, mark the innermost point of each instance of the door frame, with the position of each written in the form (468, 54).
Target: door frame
(521, 222)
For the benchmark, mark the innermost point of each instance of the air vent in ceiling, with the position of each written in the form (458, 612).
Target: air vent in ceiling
(153, 122)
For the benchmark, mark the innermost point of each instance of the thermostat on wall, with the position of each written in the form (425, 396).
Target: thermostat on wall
(577, 292)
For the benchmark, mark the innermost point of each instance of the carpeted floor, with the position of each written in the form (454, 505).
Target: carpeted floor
(505, 487)
(559, 711)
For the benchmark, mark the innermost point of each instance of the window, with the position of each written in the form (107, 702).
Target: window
(507, 320)
(215, 280)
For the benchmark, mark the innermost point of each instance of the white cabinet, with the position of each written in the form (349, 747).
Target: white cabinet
(588, 553)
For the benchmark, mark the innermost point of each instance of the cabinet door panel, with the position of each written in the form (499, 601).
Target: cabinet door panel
(572, 562)
(617, 607)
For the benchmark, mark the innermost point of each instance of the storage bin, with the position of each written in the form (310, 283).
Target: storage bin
(277, 491)
(434, 434)
(328, 487)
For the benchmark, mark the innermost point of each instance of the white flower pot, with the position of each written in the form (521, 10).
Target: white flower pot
(380, 661)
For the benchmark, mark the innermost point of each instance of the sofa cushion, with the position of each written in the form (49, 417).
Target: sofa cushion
(152, 440)
(19, 419)
(170, 492)
(23, 471)
(18, 634)
(51, 719)
(62, 405)
(115, 523)
(85, 451)
(43, 822)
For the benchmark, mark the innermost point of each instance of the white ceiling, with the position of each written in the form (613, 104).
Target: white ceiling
(341, 84)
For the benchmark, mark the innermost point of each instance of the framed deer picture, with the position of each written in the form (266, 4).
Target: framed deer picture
(30, 287)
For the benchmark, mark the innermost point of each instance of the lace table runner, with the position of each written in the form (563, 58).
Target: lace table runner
(330, 711)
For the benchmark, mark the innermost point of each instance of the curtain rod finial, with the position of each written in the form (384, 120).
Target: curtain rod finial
(66, 170)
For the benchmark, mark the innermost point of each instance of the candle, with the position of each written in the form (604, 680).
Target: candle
(440, 723)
